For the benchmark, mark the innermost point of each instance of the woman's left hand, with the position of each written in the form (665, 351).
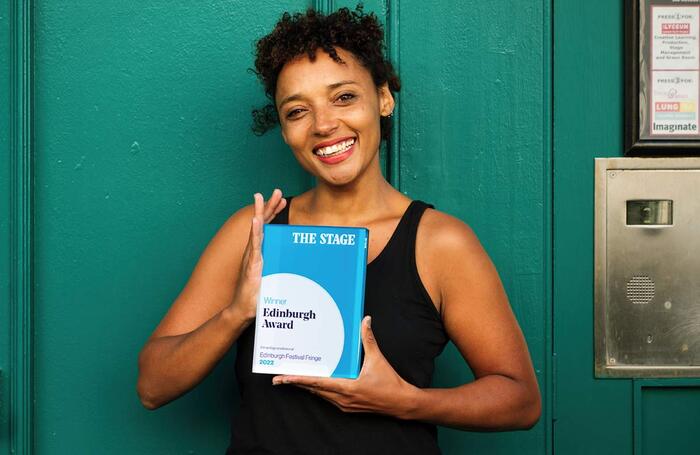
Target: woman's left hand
(378, 388)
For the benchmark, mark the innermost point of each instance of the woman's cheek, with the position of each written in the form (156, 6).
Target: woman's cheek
(293, 134)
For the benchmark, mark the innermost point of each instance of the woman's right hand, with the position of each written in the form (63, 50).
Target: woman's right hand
(212, 311)
(245, 297)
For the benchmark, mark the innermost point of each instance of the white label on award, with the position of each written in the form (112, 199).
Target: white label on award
(674, 103)
(299, 327)
(674, 42)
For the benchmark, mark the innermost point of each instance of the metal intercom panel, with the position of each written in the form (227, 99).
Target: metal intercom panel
(647, 267)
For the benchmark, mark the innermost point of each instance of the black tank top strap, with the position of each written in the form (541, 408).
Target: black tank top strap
(402, 243)
(413, 218)
(418, 208)
(402, 250)
(283, 216)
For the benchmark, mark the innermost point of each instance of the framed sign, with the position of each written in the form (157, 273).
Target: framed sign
(662, 77)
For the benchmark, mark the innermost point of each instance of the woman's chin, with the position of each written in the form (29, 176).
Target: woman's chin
(338, 177)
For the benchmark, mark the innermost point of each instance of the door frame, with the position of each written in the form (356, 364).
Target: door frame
(20, 254)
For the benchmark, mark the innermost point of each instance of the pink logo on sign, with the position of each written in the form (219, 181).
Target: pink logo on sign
(675, 29)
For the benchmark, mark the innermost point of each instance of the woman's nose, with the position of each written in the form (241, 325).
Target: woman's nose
(325, 122)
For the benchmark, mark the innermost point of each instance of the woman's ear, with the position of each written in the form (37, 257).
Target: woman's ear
(386, 100)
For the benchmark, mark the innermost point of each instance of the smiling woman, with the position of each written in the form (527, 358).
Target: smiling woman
(329, 113)
(429, 281)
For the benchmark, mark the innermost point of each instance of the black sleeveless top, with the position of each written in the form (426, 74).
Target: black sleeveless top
(409, 331)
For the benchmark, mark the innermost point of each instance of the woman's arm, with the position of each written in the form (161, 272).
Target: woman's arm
(211, 312)
(460, 276)
(479, 321)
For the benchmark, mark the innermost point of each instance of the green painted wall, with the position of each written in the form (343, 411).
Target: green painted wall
(142, 149)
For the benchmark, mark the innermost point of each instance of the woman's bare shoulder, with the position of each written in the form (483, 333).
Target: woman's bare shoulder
(445, 234)
(449, 256)
(211, 284)
(239, 221)
(232, 235)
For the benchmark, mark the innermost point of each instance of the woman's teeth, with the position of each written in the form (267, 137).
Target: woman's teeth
(340, 147)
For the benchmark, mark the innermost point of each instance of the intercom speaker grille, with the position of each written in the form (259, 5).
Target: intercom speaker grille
(640, 290)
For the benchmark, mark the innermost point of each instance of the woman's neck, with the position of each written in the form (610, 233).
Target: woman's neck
(366, 198)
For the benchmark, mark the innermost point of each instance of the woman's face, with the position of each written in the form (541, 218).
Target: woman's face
(329, 113)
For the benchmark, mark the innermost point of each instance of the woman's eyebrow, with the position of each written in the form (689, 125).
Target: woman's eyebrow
(299, 96)
(339, 84)
(290, 98)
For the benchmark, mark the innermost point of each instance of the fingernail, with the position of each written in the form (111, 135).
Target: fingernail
(276, 381)
(369, 321)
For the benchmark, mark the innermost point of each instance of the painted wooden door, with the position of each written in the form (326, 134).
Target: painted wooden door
(601, 416)
(129, 145)
(474, 122)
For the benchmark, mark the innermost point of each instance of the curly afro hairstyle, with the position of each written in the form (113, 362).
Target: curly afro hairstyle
(306, 33)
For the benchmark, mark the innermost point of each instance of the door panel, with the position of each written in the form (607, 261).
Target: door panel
(474, 143)
(666, 422)
(591, 415)
(143, 149)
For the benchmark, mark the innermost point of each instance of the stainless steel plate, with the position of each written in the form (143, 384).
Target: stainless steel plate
(647, 255)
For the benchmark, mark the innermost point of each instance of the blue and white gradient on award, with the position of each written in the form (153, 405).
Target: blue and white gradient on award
(311, 301)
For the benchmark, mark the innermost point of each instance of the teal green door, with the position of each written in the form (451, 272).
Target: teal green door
(474, 141)
(130, 145)
(601, 416)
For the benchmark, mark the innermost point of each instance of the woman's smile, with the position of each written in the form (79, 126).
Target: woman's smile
(336, 152)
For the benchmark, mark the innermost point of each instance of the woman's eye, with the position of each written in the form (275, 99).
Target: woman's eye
(294, 113)
(346, 97)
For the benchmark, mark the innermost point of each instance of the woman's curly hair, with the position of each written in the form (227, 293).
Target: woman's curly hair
(305, 33)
